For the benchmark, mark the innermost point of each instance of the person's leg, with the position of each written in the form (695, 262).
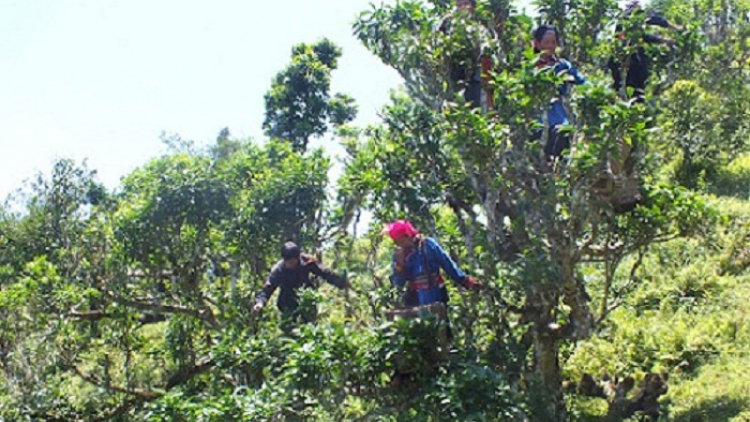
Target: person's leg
(557, 143)
(473, 91)
(637, 76)
(616, 70)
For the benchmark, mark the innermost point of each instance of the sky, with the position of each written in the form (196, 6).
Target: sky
(102, 80)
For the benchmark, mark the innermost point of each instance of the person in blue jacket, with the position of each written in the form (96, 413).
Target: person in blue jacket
(546, 41)
(417, 264)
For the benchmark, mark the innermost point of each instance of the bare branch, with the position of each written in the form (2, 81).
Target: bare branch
(137, 396)
(137, 392)
(204, 315)
(89, 316)
(186, 374)
(619, 301)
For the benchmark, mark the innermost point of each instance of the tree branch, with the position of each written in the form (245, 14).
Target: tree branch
(618, 294)
(93, 316)
(186, 374)
(89, 316)
(204, 315)
(137, 392)
(615, 391)
(137, 395)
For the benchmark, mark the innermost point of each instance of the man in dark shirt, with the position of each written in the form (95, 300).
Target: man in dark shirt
(291, 274)
(637, 64)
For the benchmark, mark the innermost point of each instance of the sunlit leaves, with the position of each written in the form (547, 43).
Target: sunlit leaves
(299, 105)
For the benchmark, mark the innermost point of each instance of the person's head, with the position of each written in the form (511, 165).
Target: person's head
(290, 253)
(546, 40)
(468, 5)
(402, 233)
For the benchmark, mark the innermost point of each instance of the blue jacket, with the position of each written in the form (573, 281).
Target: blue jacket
(556, 114)
(428, 252)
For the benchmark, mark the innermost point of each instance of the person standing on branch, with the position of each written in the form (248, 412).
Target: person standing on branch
(546, 41)
(416, 266)
(470, 70)
(291, 274)
(637, 64)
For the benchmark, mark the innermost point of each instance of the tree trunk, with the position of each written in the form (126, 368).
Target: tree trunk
(545, 333)
(548, 369)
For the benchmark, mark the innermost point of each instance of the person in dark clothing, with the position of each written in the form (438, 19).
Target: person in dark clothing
(291, 274)
(637, 66)
(471, 71)
(546, 40)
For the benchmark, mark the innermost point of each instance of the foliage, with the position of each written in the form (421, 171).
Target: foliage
(299, 104)
(134, 304)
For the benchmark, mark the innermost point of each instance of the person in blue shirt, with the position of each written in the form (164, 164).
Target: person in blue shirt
(546, 41)
(417, 263)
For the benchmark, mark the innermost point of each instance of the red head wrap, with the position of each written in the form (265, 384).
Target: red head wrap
(399, 229)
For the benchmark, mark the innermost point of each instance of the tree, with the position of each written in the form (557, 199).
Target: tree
(706, 87)
(555, 214)
(299, 105)
(124, 299)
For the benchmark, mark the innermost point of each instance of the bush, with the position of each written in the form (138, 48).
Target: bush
(734, 178)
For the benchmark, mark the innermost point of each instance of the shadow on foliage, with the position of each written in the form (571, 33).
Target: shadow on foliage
(715, 410)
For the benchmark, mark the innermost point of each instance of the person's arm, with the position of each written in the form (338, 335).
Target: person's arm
(660, 21)
(574, 76)
(398, 268)
(272, 282)
(656, 19)
(433, 249)
(317, 268)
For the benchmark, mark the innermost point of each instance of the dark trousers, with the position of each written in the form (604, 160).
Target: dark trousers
(557, 142)
(471, 82)
(636, 77)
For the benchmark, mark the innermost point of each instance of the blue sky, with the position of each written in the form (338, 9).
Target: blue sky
(103, 79)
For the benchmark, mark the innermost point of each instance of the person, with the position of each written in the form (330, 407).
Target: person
(289, 275)
(471, 72)
(637, 67)
(416, 267)
(546, 40)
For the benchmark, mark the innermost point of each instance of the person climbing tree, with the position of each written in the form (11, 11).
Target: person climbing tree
(546, 40)
(637, 64)
(469, 70)
(289, 275)
(416, 266)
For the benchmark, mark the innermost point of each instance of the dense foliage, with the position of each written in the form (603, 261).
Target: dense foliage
(134, 304)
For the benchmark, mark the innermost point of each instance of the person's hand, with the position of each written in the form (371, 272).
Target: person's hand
(473, 284)
(257, 308)
(347, 284)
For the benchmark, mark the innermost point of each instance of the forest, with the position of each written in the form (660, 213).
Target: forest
(613, 275)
